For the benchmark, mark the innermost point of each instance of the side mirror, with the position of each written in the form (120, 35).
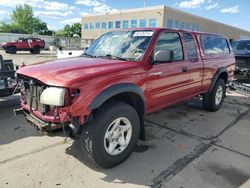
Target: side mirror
(163, 56)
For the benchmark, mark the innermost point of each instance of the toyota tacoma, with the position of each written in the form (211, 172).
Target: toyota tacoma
(104, 94)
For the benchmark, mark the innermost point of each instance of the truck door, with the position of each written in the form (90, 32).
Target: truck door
(196, 69)
(167, 82)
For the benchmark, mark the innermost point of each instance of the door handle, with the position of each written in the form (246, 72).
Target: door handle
(184, 69)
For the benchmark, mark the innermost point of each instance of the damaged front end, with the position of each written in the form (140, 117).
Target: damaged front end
(46, 107)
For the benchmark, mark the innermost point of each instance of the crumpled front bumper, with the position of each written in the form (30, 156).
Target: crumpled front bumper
(37, 123)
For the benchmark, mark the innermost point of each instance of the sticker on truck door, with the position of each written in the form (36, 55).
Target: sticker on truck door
(143, 34)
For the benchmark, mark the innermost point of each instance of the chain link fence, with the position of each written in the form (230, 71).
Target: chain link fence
(63, 42)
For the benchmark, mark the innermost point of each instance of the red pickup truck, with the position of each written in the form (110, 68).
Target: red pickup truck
(104, 94)
(34, 45)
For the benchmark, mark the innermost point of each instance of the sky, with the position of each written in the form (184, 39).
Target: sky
(57, 13)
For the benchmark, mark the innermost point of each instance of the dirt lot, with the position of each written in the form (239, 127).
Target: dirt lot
(185, 147)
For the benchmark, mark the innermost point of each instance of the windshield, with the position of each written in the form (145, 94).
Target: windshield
(243, 45)
(124, 45)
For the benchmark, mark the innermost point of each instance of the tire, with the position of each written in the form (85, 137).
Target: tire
(32, 51)
(12, 50)
(36, 50)
(93, 136)
(213, 101)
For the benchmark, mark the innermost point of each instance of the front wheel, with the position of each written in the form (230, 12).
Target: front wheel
(213, 101)
(110, 138)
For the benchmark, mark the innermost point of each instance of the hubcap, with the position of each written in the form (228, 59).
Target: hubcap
(118, 136)
(218, 95)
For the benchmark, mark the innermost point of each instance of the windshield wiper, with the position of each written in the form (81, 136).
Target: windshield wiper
(109, 56)
(88, 55)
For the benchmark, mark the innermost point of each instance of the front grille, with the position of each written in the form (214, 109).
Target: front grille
(34, 92)
(31, 91)
(243, 62)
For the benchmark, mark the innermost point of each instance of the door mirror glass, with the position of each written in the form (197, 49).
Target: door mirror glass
(163, 56)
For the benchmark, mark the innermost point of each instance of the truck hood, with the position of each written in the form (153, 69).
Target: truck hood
(64, 72)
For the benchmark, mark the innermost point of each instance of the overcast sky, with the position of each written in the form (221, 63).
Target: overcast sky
(57, 13)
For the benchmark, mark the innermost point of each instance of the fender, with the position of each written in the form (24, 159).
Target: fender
(118, 89)
(215, 77)
(115, 90)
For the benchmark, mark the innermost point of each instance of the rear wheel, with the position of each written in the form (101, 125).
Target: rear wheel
(36, 50)
(110, 138)
(213, 101)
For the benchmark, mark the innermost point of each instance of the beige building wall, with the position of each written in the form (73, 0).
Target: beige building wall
(137, 14)
(161, 14)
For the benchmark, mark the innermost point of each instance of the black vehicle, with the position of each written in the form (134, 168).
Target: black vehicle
(7, 77)
(242, 55)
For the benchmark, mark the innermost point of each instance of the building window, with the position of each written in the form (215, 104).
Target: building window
(118, 24)
(133, 23)
(86, 26)
(181, 25)
(125, 24)
(104, 26)
(187, 26)
(176, 24)
(152, 22)
(143, 23)
(111, 25)
(191, 27)
(97, 25)
(91, 25)
(197, 28)
(169, 23)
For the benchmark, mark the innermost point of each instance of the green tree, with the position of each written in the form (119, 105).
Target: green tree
(70, 30)
(23, 21)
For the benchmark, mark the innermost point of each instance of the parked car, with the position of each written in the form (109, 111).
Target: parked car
(104, 94)
(34, 45)
(7, 77)
(242, 55)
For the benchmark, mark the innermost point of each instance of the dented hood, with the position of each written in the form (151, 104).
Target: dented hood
(64, 72)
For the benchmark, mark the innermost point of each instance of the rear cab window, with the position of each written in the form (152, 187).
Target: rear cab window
(214, 45)
(192, 53)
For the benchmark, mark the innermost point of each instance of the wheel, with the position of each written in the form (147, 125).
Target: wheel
(32, 51)
(110, 138)
(213, 101)
(36, 50)
(12, 50)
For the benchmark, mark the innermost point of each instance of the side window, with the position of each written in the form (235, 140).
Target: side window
(214, 45)
(191, 46)
(170, 41)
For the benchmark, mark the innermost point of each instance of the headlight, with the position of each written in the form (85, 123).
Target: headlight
(53, 96)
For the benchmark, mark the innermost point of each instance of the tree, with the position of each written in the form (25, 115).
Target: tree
(70, 31)
(23, 21)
